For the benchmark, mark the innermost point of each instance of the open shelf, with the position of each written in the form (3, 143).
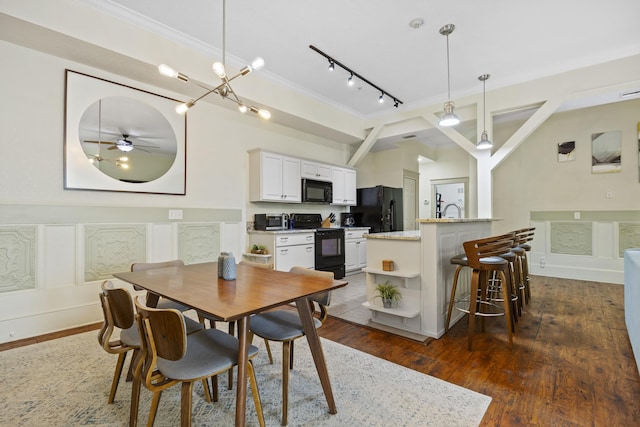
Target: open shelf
(392, 273)
(402, 312)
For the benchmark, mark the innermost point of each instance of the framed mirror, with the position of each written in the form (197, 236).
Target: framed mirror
(119, 138)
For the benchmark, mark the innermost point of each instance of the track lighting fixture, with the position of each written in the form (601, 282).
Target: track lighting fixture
(350, 81)
(224, 89)
(484, 143)
(449, 118)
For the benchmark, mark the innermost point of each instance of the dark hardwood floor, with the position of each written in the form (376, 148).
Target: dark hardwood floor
(571, 364)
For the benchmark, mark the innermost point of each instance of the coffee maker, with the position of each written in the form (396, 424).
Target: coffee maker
(347, 219)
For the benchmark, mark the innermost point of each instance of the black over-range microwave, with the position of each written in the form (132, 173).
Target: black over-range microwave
(317, 191)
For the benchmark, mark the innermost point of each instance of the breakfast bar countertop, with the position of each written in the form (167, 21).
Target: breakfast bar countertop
(395, 235)
(441, 220)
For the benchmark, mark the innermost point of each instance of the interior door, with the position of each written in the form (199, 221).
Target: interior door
(410, 201)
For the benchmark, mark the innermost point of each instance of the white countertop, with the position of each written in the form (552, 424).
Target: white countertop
(302, 230)
(395, 235)
(444, 220)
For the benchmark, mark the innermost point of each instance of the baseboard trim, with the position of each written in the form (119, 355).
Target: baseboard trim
(49, 336)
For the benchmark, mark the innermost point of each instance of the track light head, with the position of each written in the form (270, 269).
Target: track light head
(350, 80)
(331, 65)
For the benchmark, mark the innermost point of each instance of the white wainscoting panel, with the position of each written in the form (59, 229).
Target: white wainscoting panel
(54, 258)
(590, 248)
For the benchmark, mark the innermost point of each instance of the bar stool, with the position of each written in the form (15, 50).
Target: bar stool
(523, 237)
(514, 279)
(483, 256)
(461, 261)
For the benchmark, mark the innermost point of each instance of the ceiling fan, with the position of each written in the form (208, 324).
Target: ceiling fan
(123, 144)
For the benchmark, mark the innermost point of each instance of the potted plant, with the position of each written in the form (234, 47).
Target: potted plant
(389, 293)
(258, 249)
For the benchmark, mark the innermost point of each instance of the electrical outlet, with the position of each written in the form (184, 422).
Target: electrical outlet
(542, 262)
(609, 194)
(576, 215)
(175, 213)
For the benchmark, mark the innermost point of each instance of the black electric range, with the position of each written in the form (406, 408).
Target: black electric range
(329, 243)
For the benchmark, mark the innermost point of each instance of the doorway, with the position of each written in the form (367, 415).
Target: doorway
(450, 198)
(410, 200)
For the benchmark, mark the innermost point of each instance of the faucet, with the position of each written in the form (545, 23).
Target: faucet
(444, 211)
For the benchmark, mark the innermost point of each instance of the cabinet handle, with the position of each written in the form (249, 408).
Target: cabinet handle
(284, 251)
(309, 237)
(309, 248)
(284, 239)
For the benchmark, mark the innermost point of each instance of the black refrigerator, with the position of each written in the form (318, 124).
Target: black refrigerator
(379, 208)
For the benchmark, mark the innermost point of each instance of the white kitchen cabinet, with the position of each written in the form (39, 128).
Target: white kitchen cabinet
(355, 250)
(274, 178)
(344, 186)
(288, 249)
(314, 170)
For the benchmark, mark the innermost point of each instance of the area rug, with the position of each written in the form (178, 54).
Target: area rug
(65, 382)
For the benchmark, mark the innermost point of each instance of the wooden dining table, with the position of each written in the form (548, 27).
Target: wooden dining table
(253, 291)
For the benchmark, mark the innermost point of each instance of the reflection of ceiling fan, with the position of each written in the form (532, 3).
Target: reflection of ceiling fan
(122, 144)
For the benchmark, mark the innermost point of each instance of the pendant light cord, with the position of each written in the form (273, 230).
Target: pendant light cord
(484, 105)
(224, 31)
(448, 73)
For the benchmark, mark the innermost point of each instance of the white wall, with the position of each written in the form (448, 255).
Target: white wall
(532, 179)
(31, 174)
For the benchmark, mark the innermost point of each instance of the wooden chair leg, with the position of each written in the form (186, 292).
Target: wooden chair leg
(135, 401)
(232, 327)
(291, 355)
(207, 391)
(134, 358)
(454, 285)
(185, 404)
(286, 346)
(116, 376)
(255, 393)
(155, 401)
(266, 344)
(214, 388)
(475, 276)
(506, 295)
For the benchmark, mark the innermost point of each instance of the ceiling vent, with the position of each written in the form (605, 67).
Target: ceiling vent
(630, 94)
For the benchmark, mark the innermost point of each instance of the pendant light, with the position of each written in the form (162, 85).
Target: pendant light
(224, 89)
(484, 143)
(449, 118)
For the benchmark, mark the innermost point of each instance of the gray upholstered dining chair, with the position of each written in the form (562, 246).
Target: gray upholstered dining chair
(118, 311)
(285, 326)
(169, 356)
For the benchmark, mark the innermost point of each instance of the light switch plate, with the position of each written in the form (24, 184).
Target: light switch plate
(175, 213)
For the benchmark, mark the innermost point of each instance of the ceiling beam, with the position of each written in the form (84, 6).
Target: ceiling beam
(366, 146)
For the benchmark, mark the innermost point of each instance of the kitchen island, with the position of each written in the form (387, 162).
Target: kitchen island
(422, 271)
